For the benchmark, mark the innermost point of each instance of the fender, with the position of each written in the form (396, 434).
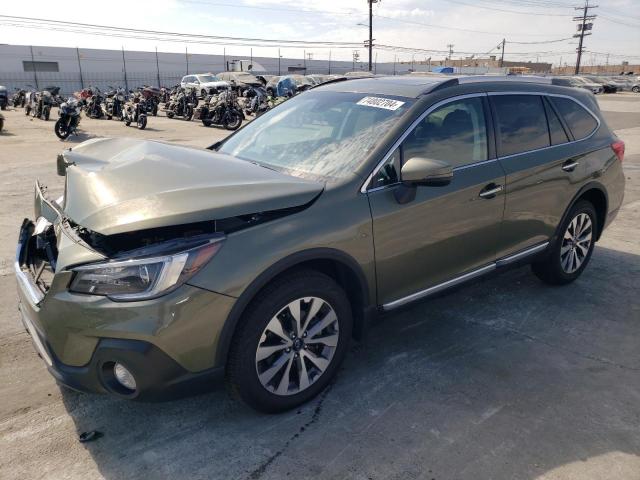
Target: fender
(269, 274)
(593, 185)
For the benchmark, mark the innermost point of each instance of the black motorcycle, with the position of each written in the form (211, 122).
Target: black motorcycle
(255, 101)
(180, 104)
(114, 103)
(221, 111)
(136, 111)
(19, 98)
(93, 108)
(69, 118)
(152, 99)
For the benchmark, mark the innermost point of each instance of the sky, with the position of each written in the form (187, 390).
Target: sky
(474, 27)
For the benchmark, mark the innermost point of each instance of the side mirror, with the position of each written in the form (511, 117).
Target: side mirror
(421, 171)
(426, 171)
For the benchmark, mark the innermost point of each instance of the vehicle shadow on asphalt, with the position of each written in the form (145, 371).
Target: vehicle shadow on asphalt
(505, 378)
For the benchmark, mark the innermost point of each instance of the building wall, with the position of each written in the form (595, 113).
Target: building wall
(599, 69)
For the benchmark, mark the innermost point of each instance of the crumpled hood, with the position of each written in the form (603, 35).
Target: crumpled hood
(117, 185)
(217, 84)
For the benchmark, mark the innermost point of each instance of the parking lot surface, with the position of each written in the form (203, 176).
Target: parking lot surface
(507, 378)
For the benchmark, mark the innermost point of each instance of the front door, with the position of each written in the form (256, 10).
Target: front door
(445, 231)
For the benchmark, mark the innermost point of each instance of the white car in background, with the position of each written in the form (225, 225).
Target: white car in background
(204, 84)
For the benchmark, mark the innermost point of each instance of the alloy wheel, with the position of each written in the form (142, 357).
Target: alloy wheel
(576, 243)
(297, 346)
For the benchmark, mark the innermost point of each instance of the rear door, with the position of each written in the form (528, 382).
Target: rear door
(445, 231)
(542, 168)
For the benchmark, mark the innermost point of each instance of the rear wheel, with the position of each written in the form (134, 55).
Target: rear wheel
(206, 123)
(188, 113)
(635, 89)
(142, 122)
(292, 339)
(46, 113)
(233, 121)
(571, 252)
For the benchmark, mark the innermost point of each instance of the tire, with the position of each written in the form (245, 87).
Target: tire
(46, 114)
(1, 124)
(127, 121)
(27, 110)
(203, 94)
(635, 89)
(562, 266)
(169, 114)
(243, 365)
(206, 123)
(188, 113)
(155, 110)
(62, 132)
(234, 120)
(3, 107)
(142, 122)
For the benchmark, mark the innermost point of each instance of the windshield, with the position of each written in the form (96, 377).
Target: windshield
(208, 78)
(318, 134)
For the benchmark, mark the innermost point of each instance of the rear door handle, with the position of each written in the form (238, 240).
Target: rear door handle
(490, 191)
(570, 165)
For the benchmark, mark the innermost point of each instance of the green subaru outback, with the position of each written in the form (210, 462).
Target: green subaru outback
(163, 267)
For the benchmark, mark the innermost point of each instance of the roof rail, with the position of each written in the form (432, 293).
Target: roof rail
(503, 78)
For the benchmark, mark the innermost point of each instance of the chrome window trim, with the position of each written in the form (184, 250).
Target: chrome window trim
(405, 134)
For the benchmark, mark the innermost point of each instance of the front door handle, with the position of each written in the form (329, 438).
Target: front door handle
(490, 191)
(570, 165)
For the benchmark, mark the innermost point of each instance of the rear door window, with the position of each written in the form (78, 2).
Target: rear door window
(580, 122)
(522, 123)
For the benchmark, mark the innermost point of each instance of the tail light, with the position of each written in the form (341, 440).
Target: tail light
(618, 149)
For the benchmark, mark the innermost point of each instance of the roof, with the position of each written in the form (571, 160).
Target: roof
(413, 86)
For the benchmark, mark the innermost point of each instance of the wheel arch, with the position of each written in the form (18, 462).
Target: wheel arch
(597, 195)
(338, 265)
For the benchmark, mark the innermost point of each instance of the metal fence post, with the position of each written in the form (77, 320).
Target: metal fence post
(33, 65)
(124, 65)
(80, 68)
(158, 68)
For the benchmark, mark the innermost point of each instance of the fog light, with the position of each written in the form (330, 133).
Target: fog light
(124, 376)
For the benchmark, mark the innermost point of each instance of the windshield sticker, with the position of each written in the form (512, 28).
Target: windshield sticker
(380, 102)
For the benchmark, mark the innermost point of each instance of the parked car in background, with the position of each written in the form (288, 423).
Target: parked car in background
(204, 84)
(607, 85)
(593, 87)
(260, 258)
(240, 80)
(635, 87)
(4, 98)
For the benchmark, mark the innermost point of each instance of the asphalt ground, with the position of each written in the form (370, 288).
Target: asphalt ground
(506, 378)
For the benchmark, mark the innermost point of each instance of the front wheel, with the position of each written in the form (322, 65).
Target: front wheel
(46, 113)
(206, 123)
(142, 122)
(233, 120)
(635, 89)
(290, 343)
(571, 252)
(188, 113)
(62, 128)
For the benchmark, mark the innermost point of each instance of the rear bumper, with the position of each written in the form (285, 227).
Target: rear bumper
(158, 376)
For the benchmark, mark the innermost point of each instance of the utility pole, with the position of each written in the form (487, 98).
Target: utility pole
(279, 57)
(356, 58)
(504, 41)
(370, 42)
(394, 65)
(186, 56)
(329, 61)
(584, 28)
(450, 47)
(304, 59)
(224, 58)
(80, 68)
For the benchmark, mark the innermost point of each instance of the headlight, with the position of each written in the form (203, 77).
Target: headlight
(143, 278)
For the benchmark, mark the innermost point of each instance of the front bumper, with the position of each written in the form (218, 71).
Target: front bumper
(157, 375)
(168, 343)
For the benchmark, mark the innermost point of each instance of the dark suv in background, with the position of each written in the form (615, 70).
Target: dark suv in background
(263, 256)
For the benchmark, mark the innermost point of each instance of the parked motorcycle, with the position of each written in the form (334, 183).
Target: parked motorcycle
(19, 98)
(69, 118)
(255, 101)
(152, 99)
(93, 108)
(40, 103)
(114, 103)
(180, 105)
(221, 111)
(136, 111)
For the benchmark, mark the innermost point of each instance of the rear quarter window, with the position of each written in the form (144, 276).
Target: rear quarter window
(578, 119)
